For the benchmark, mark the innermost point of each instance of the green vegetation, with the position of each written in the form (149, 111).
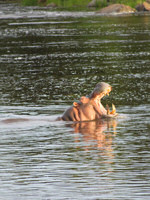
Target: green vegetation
(29, 2)
(59, 3)
(131, 3)
(79, 3)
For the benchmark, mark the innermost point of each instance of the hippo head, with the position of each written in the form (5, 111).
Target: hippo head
(90, 107)
(101, 90)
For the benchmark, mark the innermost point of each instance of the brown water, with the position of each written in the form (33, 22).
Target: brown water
(48, 59)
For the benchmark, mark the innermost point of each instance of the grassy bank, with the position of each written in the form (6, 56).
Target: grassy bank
(78, 3)
(59, 3)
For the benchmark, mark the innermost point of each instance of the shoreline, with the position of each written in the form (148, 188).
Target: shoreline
(110, 10)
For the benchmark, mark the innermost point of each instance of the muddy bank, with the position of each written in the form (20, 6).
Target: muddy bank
(116, 8)
(121, 8)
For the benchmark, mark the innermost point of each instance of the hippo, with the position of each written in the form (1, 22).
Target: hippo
(89, 107)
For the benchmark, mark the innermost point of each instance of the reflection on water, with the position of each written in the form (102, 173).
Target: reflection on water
(97, 131)
(47, 61)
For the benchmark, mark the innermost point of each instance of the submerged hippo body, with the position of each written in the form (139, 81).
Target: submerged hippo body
(90, 108)
(82, 112)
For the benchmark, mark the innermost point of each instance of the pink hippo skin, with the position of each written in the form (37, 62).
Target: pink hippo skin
(90, 108)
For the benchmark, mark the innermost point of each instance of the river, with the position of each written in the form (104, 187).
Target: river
(48, 60)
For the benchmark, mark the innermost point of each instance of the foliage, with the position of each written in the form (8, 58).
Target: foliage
(80, 3)
(131, 3)
(69, 3)
(29, 2)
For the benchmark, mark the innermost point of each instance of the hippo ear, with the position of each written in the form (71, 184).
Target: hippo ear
(75, 104)
(84, 99)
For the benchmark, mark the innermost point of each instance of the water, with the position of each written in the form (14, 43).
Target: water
(48, 60)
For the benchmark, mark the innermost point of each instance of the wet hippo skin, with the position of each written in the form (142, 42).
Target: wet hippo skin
(90, 107)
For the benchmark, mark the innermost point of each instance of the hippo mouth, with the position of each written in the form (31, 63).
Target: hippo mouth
(107, 110)
(113, 112)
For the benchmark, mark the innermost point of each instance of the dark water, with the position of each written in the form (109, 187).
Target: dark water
(48, 60)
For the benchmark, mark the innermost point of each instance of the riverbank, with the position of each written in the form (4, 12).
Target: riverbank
(82, 5)
(79, 4)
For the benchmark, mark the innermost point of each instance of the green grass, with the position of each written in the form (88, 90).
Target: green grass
(80, 3)
(131, 3)
(69, 3)
(29, 2)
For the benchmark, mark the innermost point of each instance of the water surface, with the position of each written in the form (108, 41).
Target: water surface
(48, 59)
